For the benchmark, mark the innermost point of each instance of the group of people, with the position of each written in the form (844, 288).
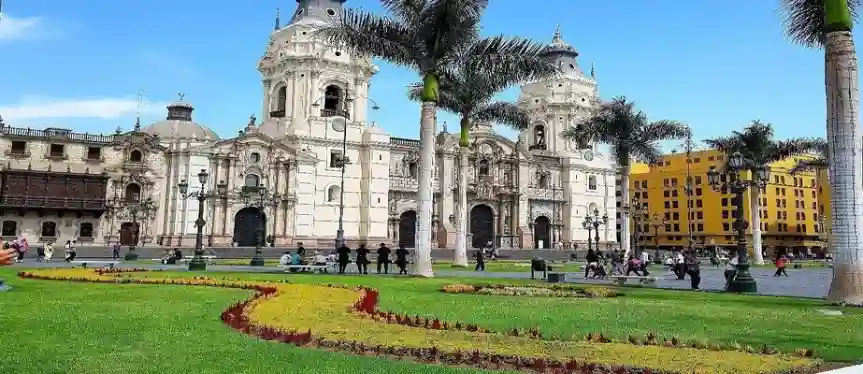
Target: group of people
(342, 257)
(18, 248)
(633, 264)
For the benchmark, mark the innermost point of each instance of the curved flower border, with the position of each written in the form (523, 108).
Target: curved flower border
(236, 316)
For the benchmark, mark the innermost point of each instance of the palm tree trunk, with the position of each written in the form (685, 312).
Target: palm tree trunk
(846, 166)
(424, 194)
(755, 208)
(461, 210)
(624, 226)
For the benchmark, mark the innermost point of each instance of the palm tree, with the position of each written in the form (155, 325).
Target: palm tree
(759, 149)
(827, 24)
(429, 36)
(469, 93)
(817, 164)
(630, 135)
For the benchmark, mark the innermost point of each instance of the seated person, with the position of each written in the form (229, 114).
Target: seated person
(319, 260)
(286, 259)
(297, 259)
(178, 254)
(168, 257)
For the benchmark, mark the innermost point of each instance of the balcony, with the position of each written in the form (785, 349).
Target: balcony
(277, 114)
(335, 113)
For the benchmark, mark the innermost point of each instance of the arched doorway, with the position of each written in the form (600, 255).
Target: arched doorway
(408, 229)
(250, 227)
(541, 233)
(128, 231)
(481, 225)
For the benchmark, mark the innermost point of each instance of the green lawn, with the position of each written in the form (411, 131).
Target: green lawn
(63, 327)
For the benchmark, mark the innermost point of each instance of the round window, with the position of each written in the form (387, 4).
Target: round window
(331, 12)
(300, 11)
(255, 157)
(338, 54)
(571, 66)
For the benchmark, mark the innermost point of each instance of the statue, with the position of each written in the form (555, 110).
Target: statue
(540, 136)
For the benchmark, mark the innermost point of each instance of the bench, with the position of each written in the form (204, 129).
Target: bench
(208, 258)
(621, 279)
(108, 264)
(305, 268)
(556, 277)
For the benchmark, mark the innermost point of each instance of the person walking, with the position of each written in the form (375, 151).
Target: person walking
(592, 262)
(616, 262)
(781, 262)
(480, 261)
(730, 271)
(384, 258)
(70, 251)
(344, 254)
(402, 259)
(680, 266)
(49, 251)
(693, 268)
(116, 251)
(363, 259)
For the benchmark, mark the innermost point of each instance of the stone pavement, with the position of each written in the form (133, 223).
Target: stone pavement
(807, 282)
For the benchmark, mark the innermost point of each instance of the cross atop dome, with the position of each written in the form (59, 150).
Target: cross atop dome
(559, 45)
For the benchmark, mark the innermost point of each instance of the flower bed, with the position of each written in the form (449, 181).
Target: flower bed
(533, 290)
(327, 318)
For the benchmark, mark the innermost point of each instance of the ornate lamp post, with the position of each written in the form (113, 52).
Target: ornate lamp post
(638, 213)
(260, 197)
(592, 224)
(733, 181)
(198, 262)
(656, 223)
(135, 209)
(343, 160)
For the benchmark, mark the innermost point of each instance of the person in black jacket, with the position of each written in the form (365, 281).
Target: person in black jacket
(402, 259)
(592, 262)
(693, 268)
(300, 250)
(344, 257)
(362, 259)
(480, 261)
(384, 258)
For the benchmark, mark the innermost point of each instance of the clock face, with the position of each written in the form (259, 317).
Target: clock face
(588, 155)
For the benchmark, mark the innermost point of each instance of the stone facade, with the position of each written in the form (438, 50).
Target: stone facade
(533, 192)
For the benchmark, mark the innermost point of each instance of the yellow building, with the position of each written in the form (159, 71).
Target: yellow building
(790, 205)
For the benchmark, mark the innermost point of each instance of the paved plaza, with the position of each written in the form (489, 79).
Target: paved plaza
(807, 282)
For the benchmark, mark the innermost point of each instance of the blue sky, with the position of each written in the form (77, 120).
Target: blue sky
(714, 64)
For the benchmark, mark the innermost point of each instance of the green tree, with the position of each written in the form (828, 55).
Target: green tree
(759, 149)
(828, 24)
(630, 135)
(469, 92)
(431, 37)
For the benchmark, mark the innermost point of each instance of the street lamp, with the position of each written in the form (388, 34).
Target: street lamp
(657, 222)
(135, 209)
(343, 160)
(591, 223)
(260, 197)
(198, 262)
(638, 213)
(733, 181)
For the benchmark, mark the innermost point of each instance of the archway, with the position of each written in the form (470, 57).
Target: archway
(542, 233)
(333, 98)
(128, 233)
(481, 225)
(408, 229)
(250, 227)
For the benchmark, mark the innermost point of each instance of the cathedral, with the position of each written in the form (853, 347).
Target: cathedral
(311, 166)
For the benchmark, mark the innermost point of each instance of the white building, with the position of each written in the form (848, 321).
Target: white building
(530, 193)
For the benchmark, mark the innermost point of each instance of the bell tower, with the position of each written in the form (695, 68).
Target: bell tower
(559, 102)
(305, 80)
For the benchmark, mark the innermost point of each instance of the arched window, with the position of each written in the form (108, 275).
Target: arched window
(132, 193)
(49, 229)
(282, 98)
(332, 99)
(542, 179)
(135, 156)
(252, 180)
(333, 194)
(483, 167)
(85, 230)
(413, 170)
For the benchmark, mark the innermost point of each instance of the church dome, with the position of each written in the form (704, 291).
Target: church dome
(179, 125)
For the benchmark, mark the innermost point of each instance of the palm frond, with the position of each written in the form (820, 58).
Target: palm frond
(368, 34)
(506, 113)
(408, 10)
(510, 60)
(724, 144)
(445, 29)
(665, 130)
(804, 20)
(786, 148)
(816, 164)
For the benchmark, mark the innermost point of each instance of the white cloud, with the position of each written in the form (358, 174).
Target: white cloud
(101, 108)
(12, 28)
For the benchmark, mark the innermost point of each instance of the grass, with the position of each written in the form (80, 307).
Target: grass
(63, 327)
